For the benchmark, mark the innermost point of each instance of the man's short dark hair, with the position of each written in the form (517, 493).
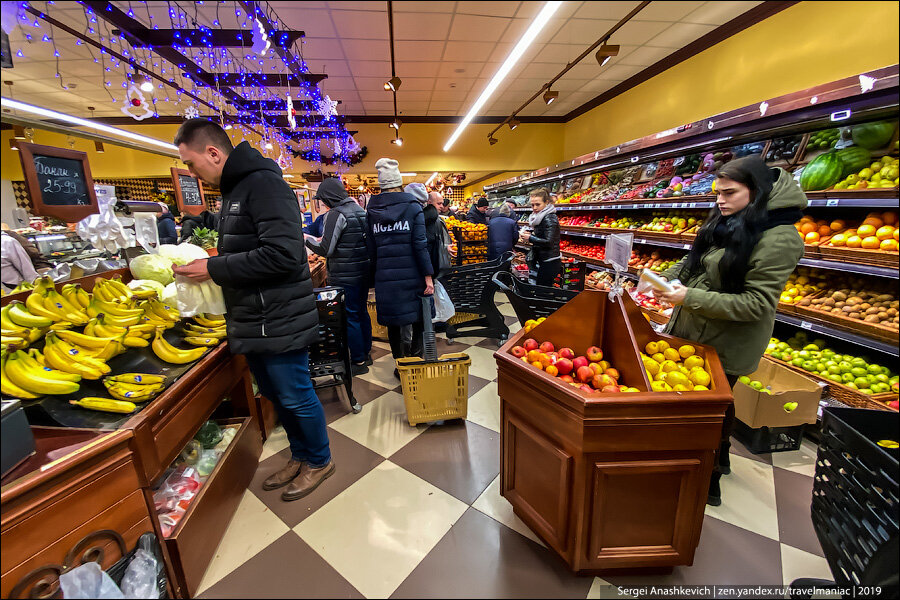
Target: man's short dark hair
(194, 132)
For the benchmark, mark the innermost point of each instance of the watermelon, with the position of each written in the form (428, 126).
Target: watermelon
(822, 173)
(872, 135)
(854, 159)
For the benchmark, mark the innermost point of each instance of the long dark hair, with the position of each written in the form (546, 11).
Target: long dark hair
(739, 233)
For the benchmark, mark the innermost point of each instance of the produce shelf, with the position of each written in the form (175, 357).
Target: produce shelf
(823, 329)
(851, 267)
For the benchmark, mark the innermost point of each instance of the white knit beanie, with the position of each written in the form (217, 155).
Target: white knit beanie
(418, 190)
(389, 173)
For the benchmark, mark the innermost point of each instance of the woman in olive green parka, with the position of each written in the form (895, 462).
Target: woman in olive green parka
(734, 274)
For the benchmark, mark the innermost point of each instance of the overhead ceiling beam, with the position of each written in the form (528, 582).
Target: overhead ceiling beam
(217, 38)
(311, 135)
(282, 121)
(201, 77)
(274, 105)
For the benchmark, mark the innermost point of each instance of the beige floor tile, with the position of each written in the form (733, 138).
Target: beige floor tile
(382, 345)
(491, 503)
(467, 340)
(484, 407)
(507, 310)
(252, 528)
(801, 461)
(514, 328)
(602, 589)
(484, 364)
(796, 563)
(276, 442)
(381, 372)
(748, 497)
(381, 426)
(377, 530)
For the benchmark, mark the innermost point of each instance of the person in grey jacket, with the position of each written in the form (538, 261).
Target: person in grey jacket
(343, 245)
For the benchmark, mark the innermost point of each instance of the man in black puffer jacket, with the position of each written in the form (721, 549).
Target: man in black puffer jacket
(264, 274)
(343, 244)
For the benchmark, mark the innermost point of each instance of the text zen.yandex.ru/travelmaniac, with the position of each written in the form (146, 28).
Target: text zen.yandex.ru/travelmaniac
(721, 591)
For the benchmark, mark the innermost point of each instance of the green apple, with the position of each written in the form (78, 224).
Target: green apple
(744, 379)
(790, 407)
(756, 385)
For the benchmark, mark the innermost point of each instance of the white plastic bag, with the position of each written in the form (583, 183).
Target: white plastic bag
(195, 298)
(139, 580)
(89, 581)
(443, 306)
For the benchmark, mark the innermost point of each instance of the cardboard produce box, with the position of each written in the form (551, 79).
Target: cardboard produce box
(759, 409)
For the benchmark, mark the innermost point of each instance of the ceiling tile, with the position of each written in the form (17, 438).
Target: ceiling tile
(421, 26)
(489, 69)
(476, 28)
(605, 10)
(583, 32)
(417, 69)
(680, 35)
(522, 85)
(518, 27)
(458, 69)
(421, 50)
(669, 11)
(315, 23)
(445, 105)
(598, 86)
(346, 4)
(430, 6)
(360, 25)
(450, 94)
(338, 83)
(366, 50)
(559, 53)
(637, 32)
(493, 9)
(719, 13)
(371, 68)
(332, 68)
(322, 48)
(468, 51)
(409, 83)
(570, 85)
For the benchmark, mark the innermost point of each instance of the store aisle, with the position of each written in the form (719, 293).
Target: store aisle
(416, 513)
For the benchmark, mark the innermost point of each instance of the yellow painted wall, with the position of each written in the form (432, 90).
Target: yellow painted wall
(808, 44)
(478, 188)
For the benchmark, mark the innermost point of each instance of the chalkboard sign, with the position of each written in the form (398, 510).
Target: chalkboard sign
(59, 182)
(188, 192)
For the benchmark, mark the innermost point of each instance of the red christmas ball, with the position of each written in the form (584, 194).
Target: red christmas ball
(135, 102)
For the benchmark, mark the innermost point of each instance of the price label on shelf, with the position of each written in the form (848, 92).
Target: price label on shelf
(687, 246)
(648, 206)
(832, 202)
(805, 325)
(693, 205)
(618, 250)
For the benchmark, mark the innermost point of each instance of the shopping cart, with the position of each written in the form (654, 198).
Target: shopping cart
(330, 357)
(856, 502)
(531, 301)
(470, 289)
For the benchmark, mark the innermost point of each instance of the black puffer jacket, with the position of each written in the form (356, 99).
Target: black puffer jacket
(545, 240)
(262, 264)
(400, 253)
(343, 242)
(476, 216)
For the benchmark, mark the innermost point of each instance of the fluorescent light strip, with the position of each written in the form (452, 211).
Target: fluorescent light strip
(407, 174)
(52, 114)
(525, 41)
(432, 178)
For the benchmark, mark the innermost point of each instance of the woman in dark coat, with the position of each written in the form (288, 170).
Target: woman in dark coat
(543, 234)
(502, 232)
(399, 253)
(165, 226)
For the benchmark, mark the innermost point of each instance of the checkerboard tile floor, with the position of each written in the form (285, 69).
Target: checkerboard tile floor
(415, 512)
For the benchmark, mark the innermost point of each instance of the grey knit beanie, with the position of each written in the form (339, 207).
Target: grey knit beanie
(388, 173)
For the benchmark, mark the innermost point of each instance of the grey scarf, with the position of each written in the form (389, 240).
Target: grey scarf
(534, 219)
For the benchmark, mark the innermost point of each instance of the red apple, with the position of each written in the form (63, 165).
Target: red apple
(586, 388)
(614, 373)
(584, 374)
(611, 389)
(580, 362)
(565, 378)
(566, 353)
(564, 365)
(596, 367)
(546, 347)
(895, 404)
(594, 354)
(602, 380)
(530, 344)
(518, 351)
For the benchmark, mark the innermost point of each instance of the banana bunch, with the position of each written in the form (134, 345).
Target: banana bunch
(76, 296)
(144, 293)
(19, 327)
(102, 348)
(26, 378)
(211, 321)
(24, 286)
(170, 354)
(134, 387)
(112, 290)
(158, 314)
(89, 364)
(105, 405)
(45, 301)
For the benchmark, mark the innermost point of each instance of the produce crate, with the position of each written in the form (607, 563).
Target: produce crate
(875, 331)
(763, 440)
(855, 499)
(845, 394)
(875, 258)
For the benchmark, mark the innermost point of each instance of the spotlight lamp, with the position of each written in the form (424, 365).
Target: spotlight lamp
(550, 96)
(396, 124)
(513, 123)
(605, 53)
(492, 140)
(392, 84)
(398, 141)
(98, 146)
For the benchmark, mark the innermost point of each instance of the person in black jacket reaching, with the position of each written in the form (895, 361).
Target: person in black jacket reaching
(263, 270)
(543, 234)
(478, 212)
(343, 244)
(399, 251)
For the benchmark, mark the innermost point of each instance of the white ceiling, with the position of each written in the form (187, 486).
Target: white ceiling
(445, 52)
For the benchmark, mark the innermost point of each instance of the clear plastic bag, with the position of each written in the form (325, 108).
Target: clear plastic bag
(88, 581)
(195, 298)
(443, 306)
(139, 580)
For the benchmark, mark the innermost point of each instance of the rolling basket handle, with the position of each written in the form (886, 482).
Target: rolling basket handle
(504, 287)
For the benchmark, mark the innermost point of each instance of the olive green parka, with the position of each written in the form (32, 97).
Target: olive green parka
(739, 326)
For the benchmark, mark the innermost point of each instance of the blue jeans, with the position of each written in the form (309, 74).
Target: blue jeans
(359, 326)
(284, 379)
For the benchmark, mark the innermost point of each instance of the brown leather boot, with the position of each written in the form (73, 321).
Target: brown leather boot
(308, 480)
(284, 476)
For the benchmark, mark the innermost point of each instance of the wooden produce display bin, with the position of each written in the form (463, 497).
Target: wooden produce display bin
(608, 480)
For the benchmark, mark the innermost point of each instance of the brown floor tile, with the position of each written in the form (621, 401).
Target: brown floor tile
(352, 460)
(490, 343)
(287, 568)
(377, 353)
(737, 447)
(480, 558)
(335, 403)
(475, 384)
(510, 320)
(793, 496)
(727, 554)
(445, 347)
(459, 457)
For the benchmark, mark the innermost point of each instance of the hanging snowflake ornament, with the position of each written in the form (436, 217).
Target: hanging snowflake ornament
(136, 105)
(191, 112)
(327, 107)
(261, 42)
(291, 113)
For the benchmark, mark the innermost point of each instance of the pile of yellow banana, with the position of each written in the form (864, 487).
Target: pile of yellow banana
(134, 387)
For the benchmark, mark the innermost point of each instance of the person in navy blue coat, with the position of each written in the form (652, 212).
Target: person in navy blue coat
(502, 232)
(165, 226)
(399, 253)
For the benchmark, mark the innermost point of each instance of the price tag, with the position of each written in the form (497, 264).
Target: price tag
(693, 205)
(687, 246)
(618, 250)
(832, 202)
(648, 206)
(805, 325)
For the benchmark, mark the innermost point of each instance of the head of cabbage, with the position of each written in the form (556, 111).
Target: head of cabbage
(152, 266)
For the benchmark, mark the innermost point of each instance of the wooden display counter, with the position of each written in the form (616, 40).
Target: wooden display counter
(105, 483)
(608, 481)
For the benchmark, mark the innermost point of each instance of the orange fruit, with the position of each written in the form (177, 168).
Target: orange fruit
(537, 365)
(854, 241)
(874, 219)
(889, 218)
(866, 230)
(871, 243)
(811, 238)
(889, 245)
(897, 235)
(808, 228)
(885, 232)
(838, 225)
(824, 231)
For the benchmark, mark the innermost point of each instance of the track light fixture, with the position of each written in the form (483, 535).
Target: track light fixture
(392, 84)
(605, 53)
(513, 123)
(98, 146)
(396, 124)
(18, 132)
(550, 96)
(398, 141)
(492, 140)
